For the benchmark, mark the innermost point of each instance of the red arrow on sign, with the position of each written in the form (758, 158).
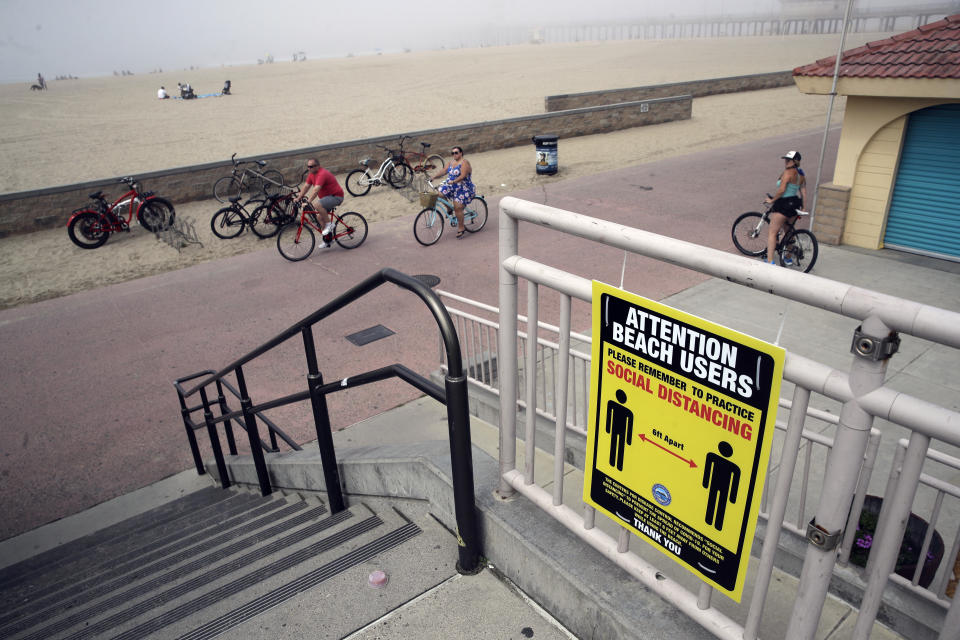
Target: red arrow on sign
(644, 437)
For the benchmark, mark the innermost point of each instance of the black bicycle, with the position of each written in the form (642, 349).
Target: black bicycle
(260, 214)
(796, 248)
(247, 177)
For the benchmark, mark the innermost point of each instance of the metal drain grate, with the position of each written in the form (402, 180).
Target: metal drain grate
(367, 336)
(428, 279)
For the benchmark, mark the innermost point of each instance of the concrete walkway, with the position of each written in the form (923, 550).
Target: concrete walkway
(88, 396)
(87, 378)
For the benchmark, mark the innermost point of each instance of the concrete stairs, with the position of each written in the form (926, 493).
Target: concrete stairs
(235, 563)
(219, 560)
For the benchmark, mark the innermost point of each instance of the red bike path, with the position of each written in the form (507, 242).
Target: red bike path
(89, 409)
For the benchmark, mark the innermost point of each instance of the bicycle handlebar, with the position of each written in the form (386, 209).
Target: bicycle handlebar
(433, 186)
(237, 163)
(131, 182)
(389, 151)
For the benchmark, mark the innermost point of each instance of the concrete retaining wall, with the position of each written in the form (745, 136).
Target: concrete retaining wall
(45, 208)
(695, 88)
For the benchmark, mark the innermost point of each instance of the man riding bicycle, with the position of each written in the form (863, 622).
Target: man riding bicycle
(321, 190)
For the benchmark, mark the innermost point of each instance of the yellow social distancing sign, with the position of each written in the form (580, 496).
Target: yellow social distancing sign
(681, 424)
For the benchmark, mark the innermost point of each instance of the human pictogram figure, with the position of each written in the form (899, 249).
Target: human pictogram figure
(721, 477)
(620, 424)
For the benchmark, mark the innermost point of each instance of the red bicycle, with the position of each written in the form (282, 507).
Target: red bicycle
(420, 161)
(90, 227)
(296, 240)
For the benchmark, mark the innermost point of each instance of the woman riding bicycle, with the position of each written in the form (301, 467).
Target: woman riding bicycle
(458, 186)
(786, 200)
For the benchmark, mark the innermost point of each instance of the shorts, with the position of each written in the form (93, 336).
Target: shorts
(786, 206)
(330, 202)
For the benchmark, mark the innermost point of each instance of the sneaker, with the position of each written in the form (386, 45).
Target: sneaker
(787, 261)
(329, 228)
(324, 245)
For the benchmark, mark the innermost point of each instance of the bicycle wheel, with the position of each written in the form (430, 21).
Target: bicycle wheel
(271, 181)
(749, 233)
(225, 188)
(351, 230)
(358, 182)
(400, 175)
(282, 210)
(799, 250)
(156, 214)
(428, 226)
(475, 214)
(433, 163)
(262, 222)
(227, 223)
(296, 241)
(88, 230)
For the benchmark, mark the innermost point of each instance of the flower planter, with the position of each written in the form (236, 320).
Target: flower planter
(909, 554)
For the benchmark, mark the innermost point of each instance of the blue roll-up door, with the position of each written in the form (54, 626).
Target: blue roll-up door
(925, 207)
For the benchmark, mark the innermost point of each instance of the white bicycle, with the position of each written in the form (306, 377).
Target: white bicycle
(393, 171)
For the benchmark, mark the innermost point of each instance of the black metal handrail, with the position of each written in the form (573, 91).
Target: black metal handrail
(453, 394)
(226, 415)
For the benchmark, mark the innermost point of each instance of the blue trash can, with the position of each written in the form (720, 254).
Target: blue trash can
(546, 153)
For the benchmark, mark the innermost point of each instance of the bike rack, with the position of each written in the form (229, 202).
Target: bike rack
(453, 395)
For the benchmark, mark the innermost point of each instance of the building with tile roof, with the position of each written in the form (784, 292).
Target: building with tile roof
(897, 179)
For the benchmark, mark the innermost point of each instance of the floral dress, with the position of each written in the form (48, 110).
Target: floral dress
(462, 191)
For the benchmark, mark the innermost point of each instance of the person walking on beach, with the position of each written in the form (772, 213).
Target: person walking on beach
(321, 190)
(162, 93)
(786, 200)
(458, 186)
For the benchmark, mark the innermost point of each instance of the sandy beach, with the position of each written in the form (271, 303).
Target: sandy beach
(104, 127)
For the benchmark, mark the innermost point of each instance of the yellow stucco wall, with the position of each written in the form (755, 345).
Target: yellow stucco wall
(872, 186)
(867, 157)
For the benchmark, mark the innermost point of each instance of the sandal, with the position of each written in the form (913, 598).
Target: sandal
(460, 234)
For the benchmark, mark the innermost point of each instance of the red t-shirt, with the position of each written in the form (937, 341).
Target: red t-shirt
(327, 183)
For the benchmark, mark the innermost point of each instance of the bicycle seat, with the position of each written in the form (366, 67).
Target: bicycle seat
(801, 212)
(261, 163)
(365, 162)
(97, 196)
(235, 199)
(425, 145)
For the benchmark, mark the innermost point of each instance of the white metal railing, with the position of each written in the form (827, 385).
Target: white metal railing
(948, 570)
(480, 357)
(860, 391)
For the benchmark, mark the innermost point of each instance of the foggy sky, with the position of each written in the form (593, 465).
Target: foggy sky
(97, 37)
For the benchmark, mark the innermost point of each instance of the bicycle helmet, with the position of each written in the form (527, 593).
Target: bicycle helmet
(791, 155)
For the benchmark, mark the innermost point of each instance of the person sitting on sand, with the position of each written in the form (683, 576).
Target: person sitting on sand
(226, 88)
(321, 190)
(162, 94)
